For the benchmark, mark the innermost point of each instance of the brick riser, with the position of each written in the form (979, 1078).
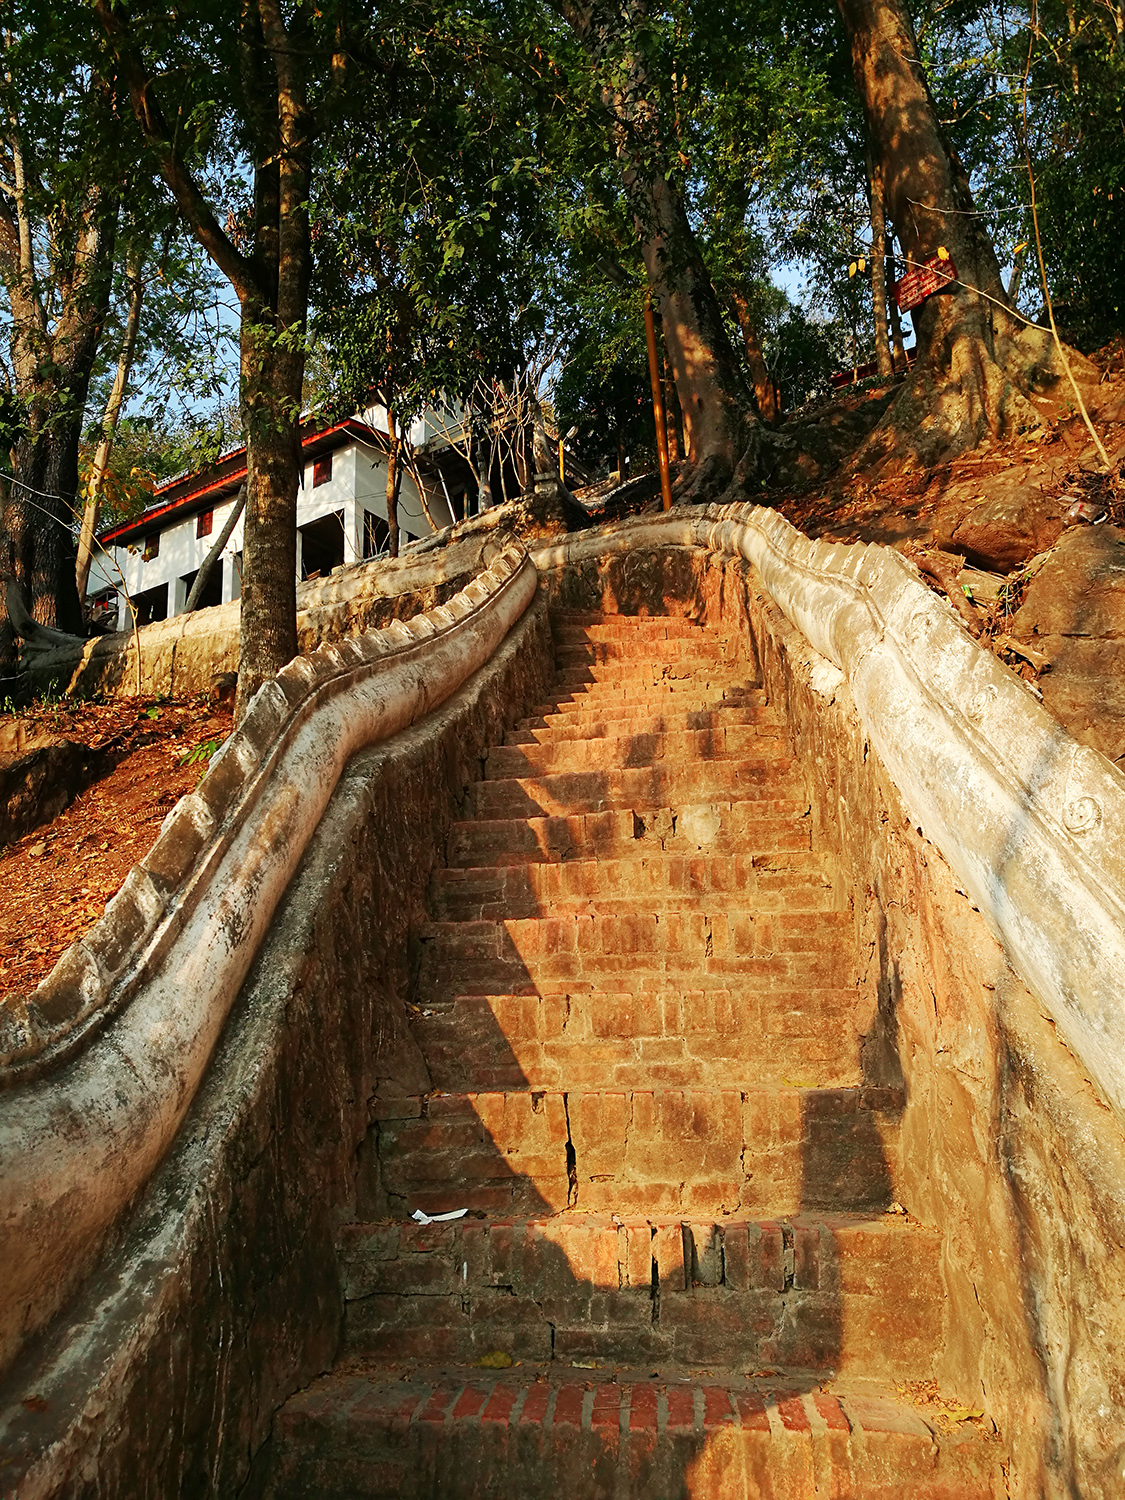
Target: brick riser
(641, 1039)
(637, 1000)
(636, 1291)
(756, 1151)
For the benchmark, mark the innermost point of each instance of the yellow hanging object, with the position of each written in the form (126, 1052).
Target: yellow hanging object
(942, 253)
(863, 263)
(851, 270)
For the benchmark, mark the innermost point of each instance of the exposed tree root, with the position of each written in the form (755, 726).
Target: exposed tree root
(980, 396)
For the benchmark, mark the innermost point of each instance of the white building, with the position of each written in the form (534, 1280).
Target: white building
(341, 516)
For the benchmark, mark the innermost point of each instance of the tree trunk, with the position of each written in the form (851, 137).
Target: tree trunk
(976, 364)
(52, 368)
(879, 269)
(207, 567)
(755, 361)
(394, 479)
(271, 280)
(719, 428)
(673, 417)
(713, 400)
(271, 393)
(93, 504)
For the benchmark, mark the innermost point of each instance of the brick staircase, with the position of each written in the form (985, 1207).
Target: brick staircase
(682, 1271)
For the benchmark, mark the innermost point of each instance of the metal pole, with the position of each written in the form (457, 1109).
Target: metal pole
(562, 463)
(657, 404)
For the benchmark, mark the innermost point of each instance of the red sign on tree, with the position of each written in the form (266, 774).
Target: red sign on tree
(923, 282)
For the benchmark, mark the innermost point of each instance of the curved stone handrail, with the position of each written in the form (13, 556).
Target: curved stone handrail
(1030, 821)
(117, 1038)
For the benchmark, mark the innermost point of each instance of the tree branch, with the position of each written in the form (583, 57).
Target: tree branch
(235, 266)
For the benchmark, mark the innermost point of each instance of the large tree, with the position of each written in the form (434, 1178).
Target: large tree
(62, 173)
(979, 363)
(719, 426)
(227, 104)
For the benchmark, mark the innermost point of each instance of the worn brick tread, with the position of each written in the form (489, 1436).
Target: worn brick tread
(687, 747)
(555, 728)
(701, 647)
(468, 1432)
(766, 775)
(722, 688)
(718, 940)
(766, 827)
(617, 886)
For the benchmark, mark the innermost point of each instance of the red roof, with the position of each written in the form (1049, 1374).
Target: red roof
(205, 488)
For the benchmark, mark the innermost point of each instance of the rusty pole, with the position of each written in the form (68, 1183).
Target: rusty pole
(657, 404)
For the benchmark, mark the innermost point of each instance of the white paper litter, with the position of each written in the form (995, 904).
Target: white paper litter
(421, 1218)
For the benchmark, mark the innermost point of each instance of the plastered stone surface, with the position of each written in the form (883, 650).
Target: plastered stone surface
(218, 1296)
(99, 1065)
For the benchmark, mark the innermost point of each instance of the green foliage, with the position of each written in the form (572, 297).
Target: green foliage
(802, 353)
(1069, 125)
(200, 754)
(603, 389)
(436, 259)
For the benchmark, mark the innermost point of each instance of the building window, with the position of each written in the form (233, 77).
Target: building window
(203, 522)
(152, 605)
(152, 546)
(322, 470)
(375, 534)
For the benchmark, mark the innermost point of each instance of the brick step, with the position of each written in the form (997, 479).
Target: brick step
(766, 776)
(594, 725)
(585, 1039)
(625, 627)
(734, 742)
(704, 947)
(571, 619)
(769, 827)
(729, 1293)
(700, 647)
(638, 673)
(653, 698)
(610, 887)
(474, 1434)
(755, 1151)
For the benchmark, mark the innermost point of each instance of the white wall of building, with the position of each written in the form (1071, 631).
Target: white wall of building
(358, 483)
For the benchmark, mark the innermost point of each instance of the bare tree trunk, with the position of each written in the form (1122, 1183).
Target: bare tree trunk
(93, 504)
(394, 479)
(755, 361)
(879, 268)
(208, 565)
(977, 364)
